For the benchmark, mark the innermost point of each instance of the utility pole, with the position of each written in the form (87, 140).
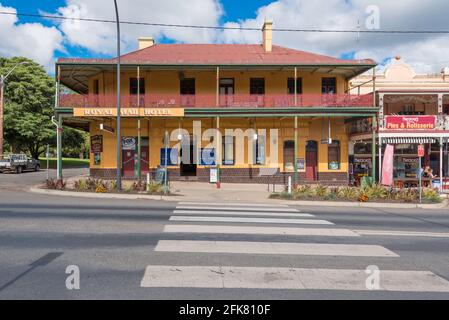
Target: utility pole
(2, 92)
(119, 139)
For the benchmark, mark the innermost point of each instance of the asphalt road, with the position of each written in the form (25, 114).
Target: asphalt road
(112, 242)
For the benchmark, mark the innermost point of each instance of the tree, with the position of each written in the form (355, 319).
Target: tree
(29, 106)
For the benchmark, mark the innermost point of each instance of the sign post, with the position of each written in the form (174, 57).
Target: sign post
(420, 155)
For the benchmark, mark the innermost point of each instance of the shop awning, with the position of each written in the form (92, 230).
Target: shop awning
(414, 140)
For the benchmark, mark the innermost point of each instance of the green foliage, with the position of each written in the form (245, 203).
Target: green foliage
(29, 106)
(431, 195)
(154, 187)
(375, 191)
(348, 193)
(81, 185)
(321, 191)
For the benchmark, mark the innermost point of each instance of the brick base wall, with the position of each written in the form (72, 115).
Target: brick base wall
(238, 175)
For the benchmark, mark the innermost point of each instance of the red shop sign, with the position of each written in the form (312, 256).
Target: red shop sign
(421, 150)
(410, 122)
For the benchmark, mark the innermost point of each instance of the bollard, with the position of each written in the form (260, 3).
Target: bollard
(289, 186)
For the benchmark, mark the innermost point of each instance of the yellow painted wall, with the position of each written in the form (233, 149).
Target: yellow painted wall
(205, 81)
(309, 129)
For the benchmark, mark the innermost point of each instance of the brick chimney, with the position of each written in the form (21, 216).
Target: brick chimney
(267, 35)
(145, 42)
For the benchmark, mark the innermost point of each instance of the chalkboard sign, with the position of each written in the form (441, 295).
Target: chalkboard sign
(160, 175)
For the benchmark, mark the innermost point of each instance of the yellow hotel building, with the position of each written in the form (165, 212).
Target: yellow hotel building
(293, 108)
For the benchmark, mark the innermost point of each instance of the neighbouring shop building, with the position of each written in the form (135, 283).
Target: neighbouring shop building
(413, 111)
(293, 108)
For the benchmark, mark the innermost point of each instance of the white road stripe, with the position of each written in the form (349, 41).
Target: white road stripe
(350, 250)
(288, 278)
(402, 233)
(249, 220)
(233, 204)
(238, 208)
(259, 230)
(244, 213)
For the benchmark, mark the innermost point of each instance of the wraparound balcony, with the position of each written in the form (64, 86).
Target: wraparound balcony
(214, 101)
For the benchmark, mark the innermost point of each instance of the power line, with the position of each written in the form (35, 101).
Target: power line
(357, 31)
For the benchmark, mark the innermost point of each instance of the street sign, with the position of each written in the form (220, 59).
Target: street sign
(421, 150)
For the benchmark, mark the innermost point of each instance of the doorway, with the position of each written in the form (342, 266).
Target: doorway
(188, 163)
(289, 155)
(311, 160)
(130, 155)
(226, 92)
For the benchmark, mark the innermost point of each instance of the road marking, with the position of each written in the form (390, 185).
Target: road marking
(402, 233)
(316, 249)
(288, 278)
(260, 230)
(238, 208)
(244, 213)
(249, 220)
(233, 204)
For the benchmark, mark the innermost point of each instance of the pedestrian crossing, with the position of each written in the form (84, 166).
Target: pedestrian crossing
(196, 220)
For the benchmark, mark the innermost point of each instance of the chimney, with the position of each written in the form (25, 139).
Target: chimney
(145, 42)
(267, 34)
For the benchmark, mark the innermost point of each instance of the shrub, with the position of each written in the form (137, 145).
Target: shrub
(406, 195)
(431, 195)
(81, 185)
(321, 191)
(56, 184)
(348, 193)
(302, 192)
(155, 187)
(363, 197)
(101, 188)
(375, 191)
(112, 185)
(138, 186)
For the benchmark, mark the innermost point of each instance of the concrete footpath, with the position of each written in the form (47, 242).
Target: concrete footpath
(231, 192)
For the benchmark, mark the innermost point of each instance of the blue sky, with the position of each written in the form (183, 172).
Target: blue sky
(44, 40)
(234, 10)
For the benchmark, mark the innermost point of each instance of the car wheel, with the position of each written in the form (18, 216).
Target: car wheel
(19, 170)
(37, 168)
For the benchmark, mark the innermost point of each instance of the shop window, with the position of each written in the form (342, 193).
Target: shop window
(362, 148)
(333, 154)
(228, 145)
(134, 86)
(170, 158)
(291, 85)
(328, 85)
(259, 149)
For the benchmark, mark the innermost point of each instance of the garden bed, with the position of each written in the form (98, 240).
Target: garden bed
(107, 186)
(373, 193)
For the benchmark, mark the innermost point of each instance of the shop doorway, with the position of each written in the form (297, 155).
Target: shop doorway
(130, 157)
(289, 155)
(311, 160)
(188, 163)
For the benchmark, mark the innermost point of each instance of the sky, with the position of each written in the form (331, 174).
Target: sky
(45, 40)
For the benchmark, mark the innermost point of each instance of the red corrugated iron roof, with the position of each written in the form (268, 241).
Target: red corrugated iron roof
(222, 54)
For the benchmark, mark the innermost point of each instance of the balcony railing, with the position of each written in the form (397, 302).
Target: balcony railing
(211, 101)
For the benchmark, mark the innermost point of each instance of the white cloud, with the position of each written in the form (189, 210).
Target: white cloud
(101, 37)
(32, 40)
(425, 52)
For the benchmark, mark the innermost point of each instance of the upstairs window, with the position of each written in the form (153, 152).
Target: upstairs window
(135, 86)
(228, 150)
(257, 86)
(291, 85)
(187, 86)
(328, 85)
